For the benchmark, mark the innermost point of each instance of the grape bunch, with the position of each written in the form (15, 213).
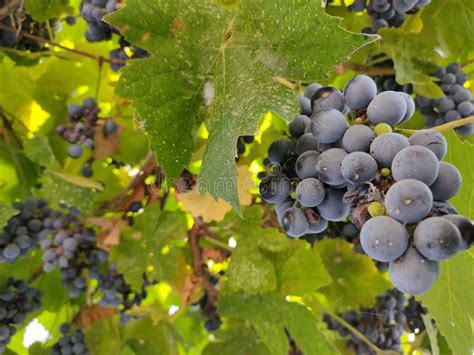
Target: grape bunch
(119, 294)
(22, 22)
(24, 229)
(413, 311)
(70, 246)
(456, 103)
(80, 132)
(383, 325)
(17, 299)
(71, 342)
(328, 172)
(387, 13)
(92, 11)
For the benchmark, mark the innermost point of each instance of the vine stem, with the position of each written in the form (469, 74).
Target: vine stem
(146, 168)
(355, 332)
(358, 68)
(442, 128)
(199, 270)
(9, 7)
(54, 44)
(286, 82)
(216, 242)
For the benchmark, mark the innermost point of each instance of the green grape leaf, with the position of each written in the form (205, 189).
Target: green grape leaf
(265, 260)
(38, 150)
(237, 340)
(269, 314)
(57, 190)
(149, 244)
(446, 17)
(459, 153)
(302, 271)
(251, 271)
(451, 302)
(414, 61)
(140, 337)
(53, 291)
(213, 62)
(42, 10)
(356, 280)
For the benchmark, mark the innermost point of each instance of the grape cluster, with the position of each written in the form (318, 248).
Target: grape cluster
(328, 172)
(93, 11)
(23, 230)
(119, 294)
(80, 132)
(71, 342)
(70, 246)
(387, 13)
(17, 299)
(413, 311)
(456, 103)
(23, 23)
(383, 325)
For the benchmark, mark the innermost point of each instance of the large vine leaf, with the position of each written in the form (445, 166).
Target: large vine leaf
(270, 315)
(450, 301)
(146, 246)
(459, 153)
(356, 280)
(265, 260)
(214, 62)
(446, 17)
(237, 340)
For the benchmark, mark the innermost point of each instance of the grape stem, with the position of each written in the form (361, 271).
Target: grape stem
(358, 68)
(54, 44)
(354, 331)
(9, 7)
(216, 242)
(442, 128)
(200, 272)
(146, 168)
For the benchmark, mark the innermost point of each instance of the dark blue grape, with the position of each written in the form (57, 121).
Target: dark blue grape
(412, 273)
(437, 238)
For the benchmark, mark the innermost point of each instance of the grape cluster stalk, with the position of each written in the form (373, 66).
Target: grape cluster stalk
(344, 162)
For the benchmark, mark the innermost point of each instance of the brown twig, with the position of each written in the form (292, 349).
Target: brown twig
(200, 271)
(54, 44)
(9, 7)
(38, 272)
(358, 68)
(149, 164)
